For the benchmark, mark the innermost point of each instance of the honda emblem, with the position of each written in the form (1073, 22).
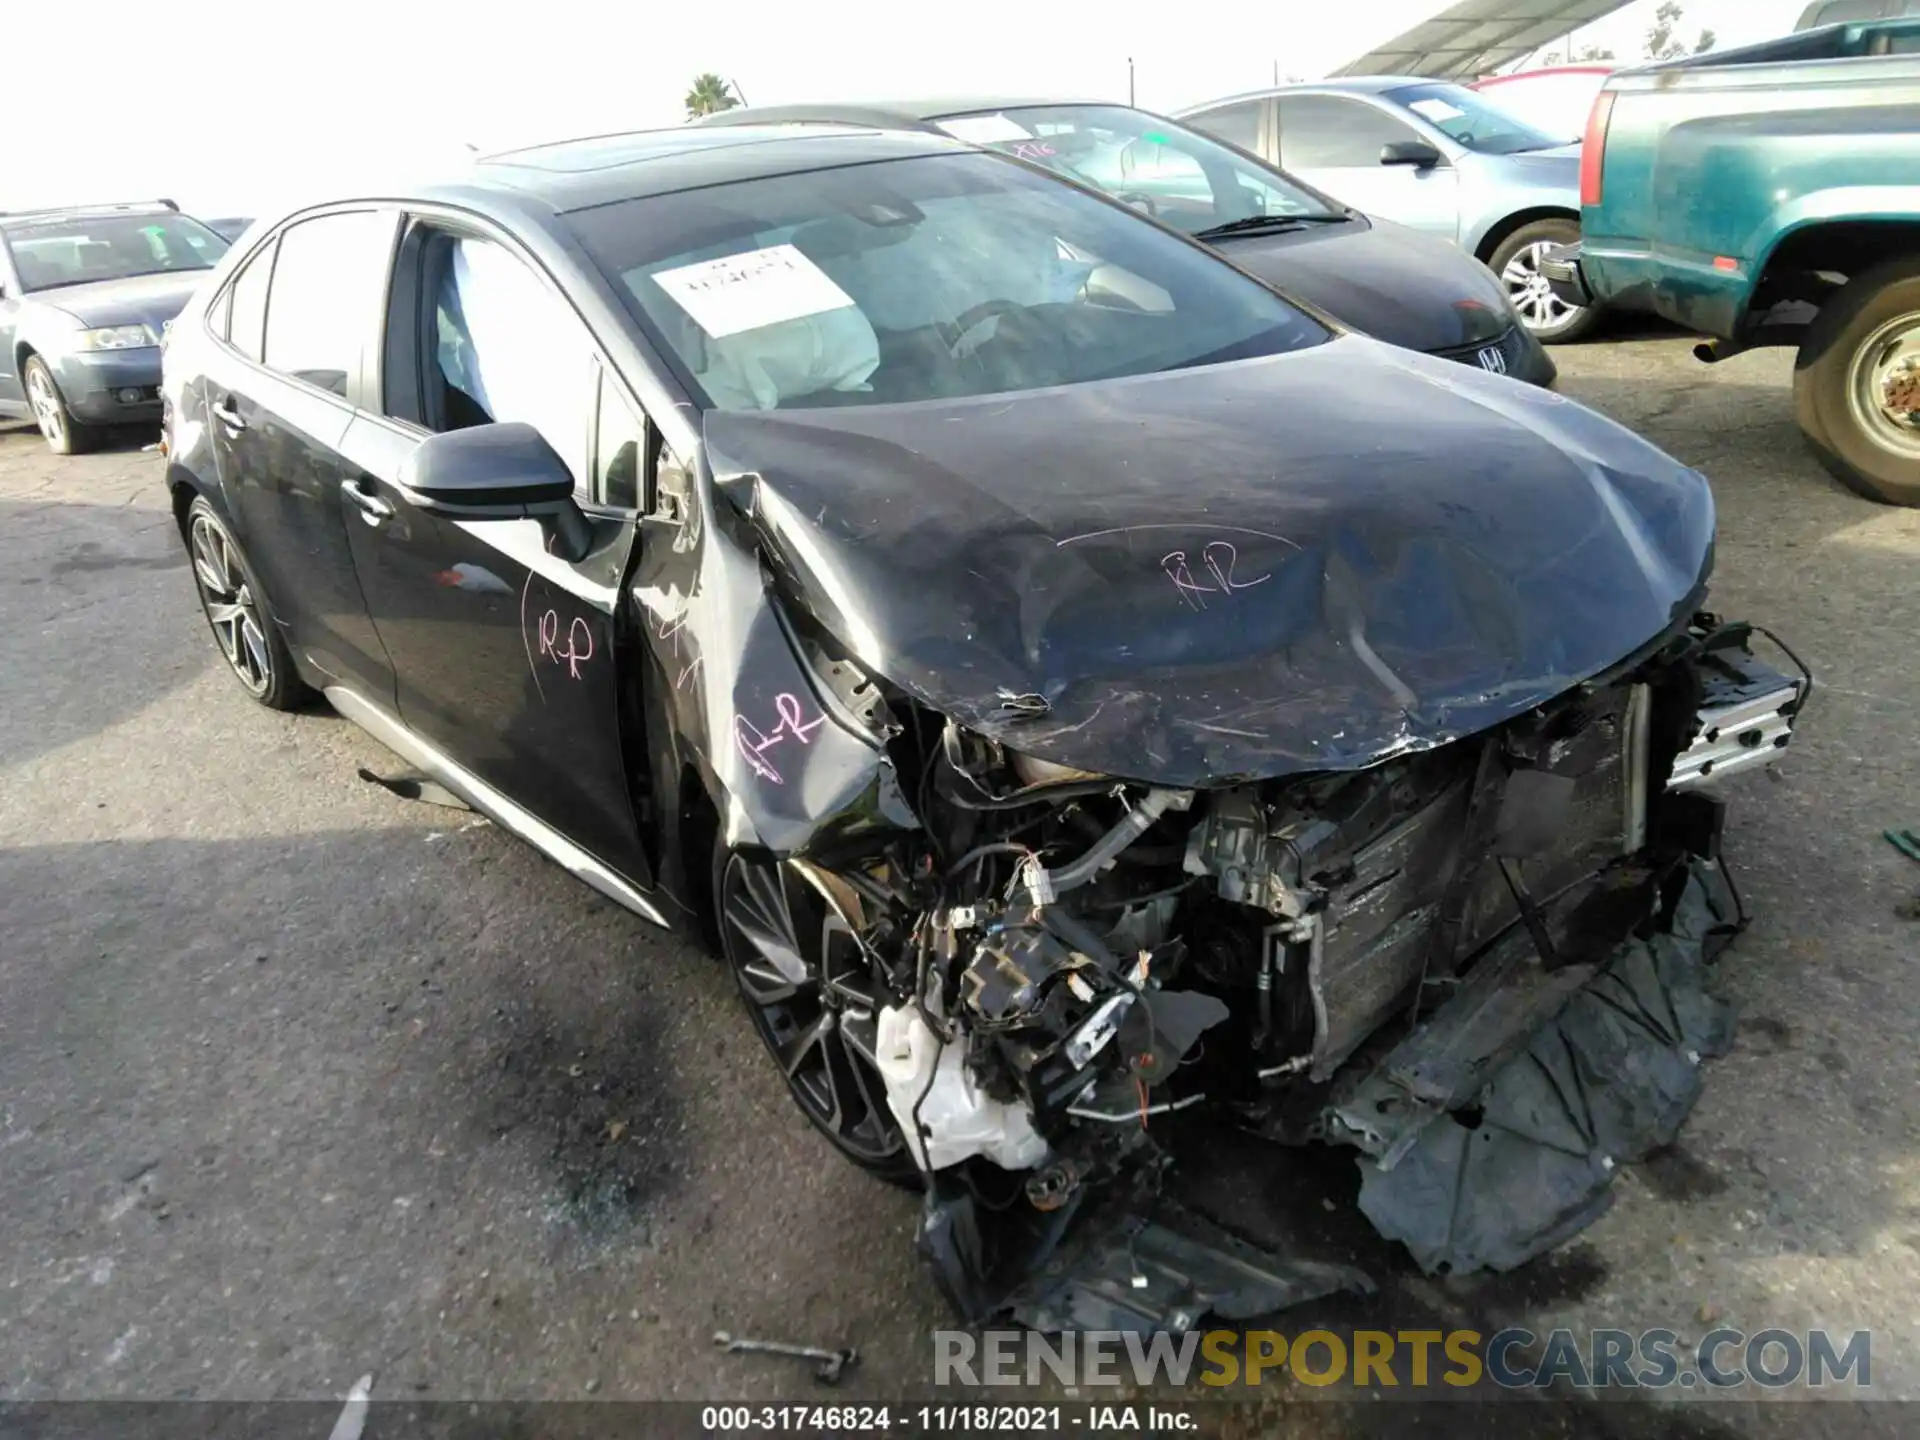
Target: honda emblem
(1492, 359)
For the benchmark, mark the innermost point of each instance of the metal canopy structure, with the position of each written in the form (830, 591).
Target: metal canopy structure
(1477, 37)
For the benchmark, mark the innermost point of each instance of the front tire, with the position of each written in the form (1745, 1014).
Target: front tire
(237, 613)
(811, 994)
(1856, 384)
(1516, 260)
(64, 434)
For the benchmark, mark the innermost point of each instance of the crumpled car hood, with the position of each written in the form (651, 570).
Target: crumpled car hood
(1304, 562)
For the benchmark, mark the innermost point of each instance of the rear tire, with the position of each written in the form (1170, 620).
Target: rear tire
(238, 614)
(1856, 384)
(64, 434)
(1516, 261)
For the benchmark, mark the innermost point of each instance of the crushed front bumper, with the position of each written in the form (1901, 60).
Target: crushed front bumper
(1491, 1122)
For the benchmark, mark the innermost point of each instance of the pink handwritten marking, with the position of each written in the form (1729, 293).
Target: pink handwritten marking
(669, 630)
(1219, 557)
(753, 745)
(1174, 562)
(1224, 573)
(579, 648)
(1033, 150)
(525, 644)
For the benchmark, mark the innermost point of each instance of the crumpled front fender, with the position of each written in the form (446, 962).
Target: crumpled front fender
(787, 764)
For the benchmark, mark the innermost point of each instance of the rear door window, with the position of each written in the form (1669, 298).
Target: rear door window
(247, 305)
(1237, 124)
(328, 286)
(1325, 132)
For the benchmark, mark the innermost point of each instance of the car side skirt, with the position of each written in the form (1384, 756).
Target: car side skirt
(489, 801)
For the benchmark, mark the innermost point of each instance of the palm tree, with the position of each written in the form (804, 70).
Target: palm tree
(709, 95)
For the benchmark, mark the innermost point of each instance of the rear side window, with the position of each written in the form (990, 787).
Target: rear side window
(247, 303)
(1328, 132)
(1236, 124)
(328, 287)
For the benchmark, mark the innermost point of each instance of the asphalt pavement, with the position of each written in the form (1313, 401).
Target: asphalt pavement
(300, 1081)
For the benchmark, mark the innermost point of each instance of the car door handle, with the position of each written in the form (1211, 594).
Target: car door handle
(224, 412)
(373, 508)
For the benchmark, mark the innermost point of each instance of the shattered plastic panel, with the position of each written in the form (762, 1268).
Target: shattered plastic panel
(1251, 569)
(1608, 1081)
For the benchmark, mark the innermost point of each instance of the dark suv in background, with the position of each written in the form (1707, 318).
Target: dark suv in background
(86, 295)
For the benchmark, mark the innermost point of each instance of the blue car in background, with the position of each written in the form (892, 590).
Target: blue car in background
(86, 297)
(1432, 155)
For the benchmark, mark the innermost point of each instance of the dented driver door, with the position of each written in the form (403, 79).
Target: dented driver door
(507, 658)
(506, 652)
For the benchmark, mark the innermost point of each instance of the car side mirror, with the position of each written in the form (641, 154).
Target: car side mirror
(1416, 153)
(504, 471)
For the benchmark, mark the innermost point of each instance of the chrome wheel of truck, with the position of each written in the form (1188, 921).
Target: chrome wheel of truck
(1856, 385)
(1884, 384)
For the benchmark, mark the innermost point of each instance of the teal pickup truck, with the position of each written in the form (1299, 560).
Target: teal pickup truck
(1770, 195)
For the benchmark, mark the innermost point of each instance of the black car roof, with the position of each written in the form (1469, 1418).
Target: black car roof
(908, 113)
(603, 169)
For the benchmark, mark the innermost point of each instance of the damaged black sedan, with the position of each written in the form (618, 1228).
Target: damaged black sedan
(1074, 688)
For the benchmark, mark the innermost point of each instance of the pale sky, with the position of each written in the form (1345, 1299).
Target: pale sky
(236, 106)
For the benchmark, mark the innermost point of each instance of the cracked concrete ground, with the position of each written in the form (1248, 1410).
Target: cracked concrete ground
(299, 1081)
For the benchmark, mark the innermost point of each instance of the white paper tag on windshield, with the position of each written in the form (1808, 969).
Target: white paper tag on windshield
(751, 289)
(1435, 110)
(984, 129)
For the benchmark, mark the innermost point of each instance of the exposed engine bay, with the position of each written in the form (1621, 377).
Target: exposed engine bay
(1478, 965)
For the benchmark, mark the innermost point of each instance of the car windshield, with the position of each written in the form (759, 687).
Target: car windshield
(1472, 120)
(929, 278)
(1179, 176)
(79, 249)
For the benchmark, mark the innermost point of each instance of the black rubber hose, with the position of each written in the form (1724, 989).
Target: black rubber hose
(1135, 823)
(1074, 931)
(980, 852)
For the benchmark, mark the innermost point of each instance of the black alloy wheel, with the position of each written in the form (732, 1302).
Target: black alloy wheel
(812, 996)
(237, 614)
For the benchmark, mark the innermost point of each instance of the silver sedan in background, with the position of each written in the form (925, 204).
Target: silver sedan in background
(1432, 155)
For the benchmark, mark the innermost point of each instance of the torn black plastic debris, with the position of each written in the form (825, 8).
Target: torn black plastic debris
(1609, 1080)
(1133, 1262)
